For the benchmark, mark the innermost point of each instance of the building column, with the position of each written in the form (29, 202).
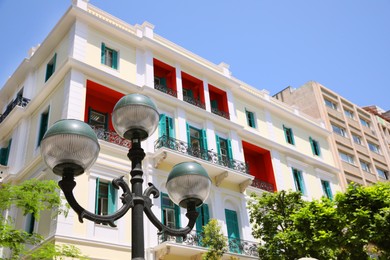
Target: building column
(231, 107)
(75, 92)
(181, 129)
(206, 95)
(237, 150)
(179, 83)
(78, 41)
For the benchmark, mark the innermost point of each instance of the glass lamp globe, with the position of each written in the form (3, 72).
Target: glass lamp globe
(135, 116)
(188, 183)
(69, 145)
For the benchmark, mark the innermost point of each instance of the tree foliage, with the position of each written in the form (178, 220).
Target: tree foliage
(354, 225)
(214, 240)
(31, 197)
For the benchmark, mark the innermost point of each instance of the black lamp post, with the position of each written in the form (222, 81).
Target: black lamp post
(70, 147)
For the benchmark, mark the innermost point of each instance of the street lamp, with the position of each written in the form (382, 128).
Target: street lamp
(70, 147)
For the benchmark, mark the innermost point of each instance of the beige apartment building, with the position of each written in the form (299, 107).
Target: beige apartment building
(360, 139)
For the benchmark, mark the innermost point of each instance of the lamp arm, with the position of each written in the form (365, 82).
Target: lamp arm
(191, 214)
(67, 185)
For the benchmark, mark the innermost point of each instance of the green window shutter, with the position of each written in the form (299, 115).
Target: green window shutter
(162, 125)
(203, 217)
(312, 145)
(204, 139)
(43, 126)
(103, 53)
(97, 196)
(229, 146)
(326, 189)
(214, 104)
(292, 136)
(171, 128)
(114, 59)
(301, 182)
(163, 82)
(31, 223)
(54, 63)
(2, 156)
(6, 153)
(285, 133)
(188, 134)
(218, 145)
(177, 216)
(233, 230)
(111, 198)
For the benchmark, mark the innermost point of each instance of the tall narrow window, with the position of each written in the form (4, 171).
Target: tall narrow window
(51, 67)
(43, 124)
(233, 231)
(315, 147)
(105, 199)
(288, 133)
(250, 119)
(326, 189)
(224, 149)
(298, 181)
(109, 57)
(170, 212)
(30, 223)
(197, 142)
(4, 154)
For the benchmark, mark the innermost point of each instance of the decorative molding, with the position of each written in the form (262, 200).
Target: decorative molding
(245, 184)
(160, 254)
(159, 159)
(220, 178)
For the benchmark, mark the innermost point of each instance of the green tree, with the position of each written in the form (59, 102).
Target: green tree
(353, 226)
(32, 197)
(214, 240)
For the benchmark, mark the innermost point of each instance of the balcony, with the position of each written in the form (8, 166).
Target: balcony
(194, 239)
(111, 137)
(166, 90)
(19, 101)
(257, 183)
(195, 102)
(207, 155)
(220, 113)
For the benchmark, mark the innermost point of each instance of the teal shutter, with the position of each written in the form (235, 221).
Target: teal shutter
(111, 198)
(177, 216)
(233, 230)
(326, 189)
(162, 125)
(31, 223)
(204, 139)
(103, 53)
(171, 128)
(54, 63)
(43, 126)
(163, 82)
(203, 217)
(4, 154)
(218, 145)
(301, 182)
(292, 136)
(188, 134)
(214, 104)
(97, 196)
(114, 59)
(230, 152)
(312, 146)
(285, 133)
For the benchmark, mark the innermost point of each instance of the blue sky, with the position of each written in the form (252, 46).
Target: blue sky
(269, 44)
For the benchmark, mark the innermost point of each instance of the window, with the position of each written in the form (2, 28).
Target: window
(233, 230)
(4, 154)
(97, 119)
(346, 157)
(298, 181)
(330, 104)
(348, 113)
(197, 142)
(170, 212)
(224, 149)
(374, 148)
(382, 174)
(51, 67)
(315, 147)
(109, 57)
(250, 119)
(338, 130)
(356, 139)
(203, 217)
(364, 123)
(326, 189)
(165, 126)
(105, 200)
(365, 166)
(288, 133)
(43, 124)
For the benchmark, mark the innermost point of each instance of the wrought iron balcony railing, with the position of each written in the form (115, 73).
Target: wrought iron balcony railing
(207, 155)
(19, 101)
(195, 102)
(194, 238)
(262, 185)
(165, 90)
(111, 137)
(220, 113)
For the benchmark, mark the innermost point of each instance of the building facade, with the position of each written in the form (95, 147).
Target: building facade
(360, 139)
(245, 139)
